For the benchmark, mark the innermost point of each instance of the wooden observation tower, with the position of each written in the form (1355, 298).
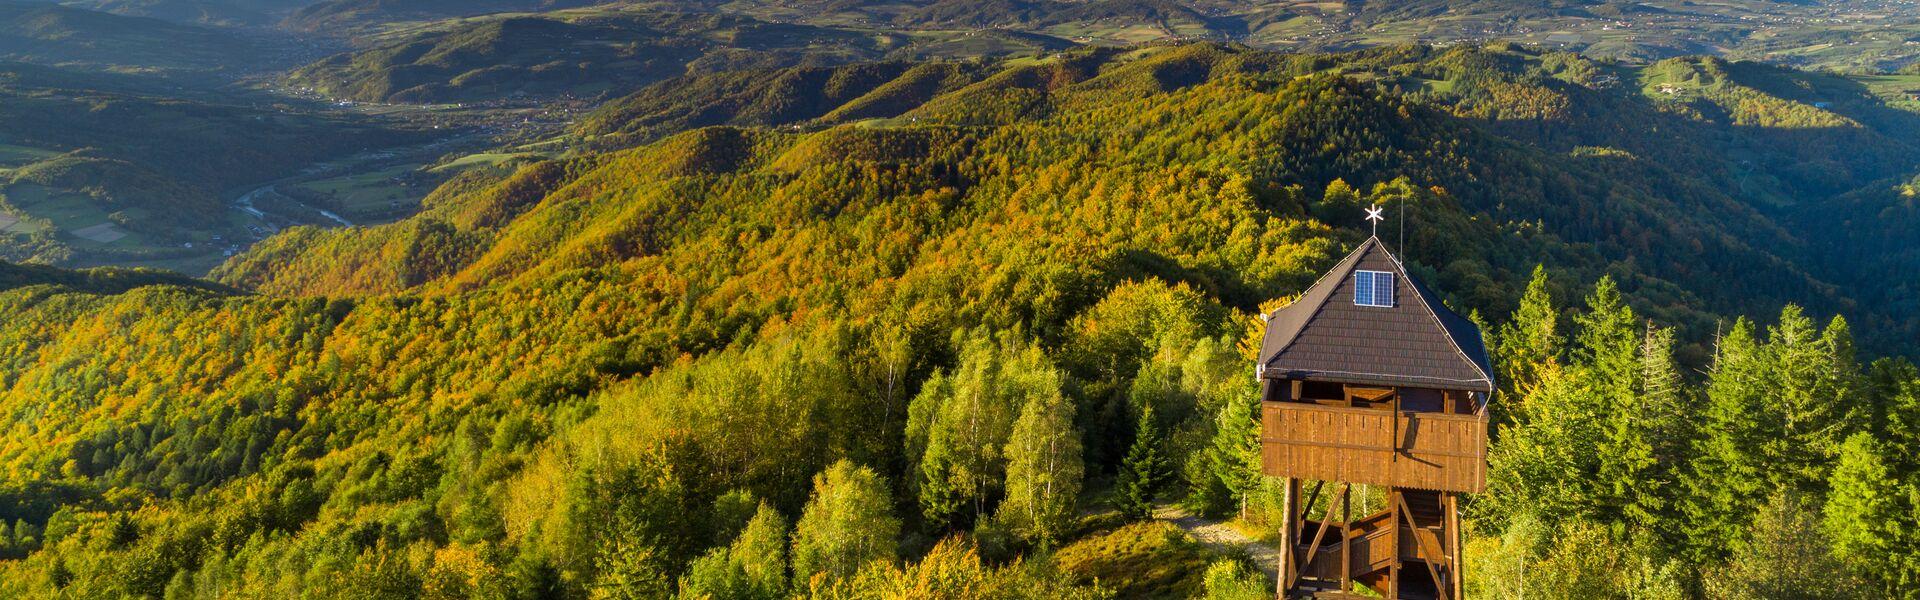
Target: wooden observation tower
(1368, 379)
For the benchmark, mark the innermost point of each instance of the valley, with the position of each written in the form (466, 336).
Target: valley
(845, 299)
(552, 75)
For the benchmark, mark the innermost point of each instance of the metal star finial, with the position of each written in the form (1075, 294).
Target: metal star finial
(1373, 214)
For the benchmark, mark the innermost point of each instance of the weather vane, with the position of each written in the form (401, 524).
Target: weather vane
(1373, 215)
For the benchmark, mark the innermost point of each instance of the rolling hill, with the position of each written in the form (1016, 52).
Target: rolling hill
(602, 52)
(338, 16)
(427, 53)
(1744, 151)
(791, 292)
(52, 34)
(223, 13)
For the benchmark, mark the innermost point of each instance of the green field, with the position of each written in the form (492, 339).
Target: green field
(481, 160)
(360, 194)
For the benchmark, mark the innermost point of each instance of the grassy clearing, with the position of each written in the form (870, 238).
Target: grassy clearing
(1142, 560)
(67, 212)
(484, 159)
(374, 192)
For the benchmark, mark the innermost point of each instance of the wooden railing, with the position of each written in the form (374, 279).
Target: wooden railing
(1422, 450)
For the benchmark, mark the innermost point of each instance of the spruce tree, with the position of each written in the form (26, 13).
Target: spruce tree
(1864, 510)
(1144, 470)
(1727, 480)
(1529, 343)
(1658, 440)
(1233, 455)
(1609, 388)
(1812, 400)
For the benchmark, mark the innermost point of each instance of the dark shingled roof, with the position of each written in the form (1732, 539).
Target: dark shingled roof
(1417, 342)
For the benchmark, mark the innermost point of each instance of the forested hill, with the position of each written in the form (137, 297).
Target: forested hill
(49, 33)
(1658, 174)
(611, 51)
(955, 327)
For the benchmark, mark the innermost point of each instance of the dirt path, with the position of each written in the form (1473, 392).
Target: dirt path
(1221, 537)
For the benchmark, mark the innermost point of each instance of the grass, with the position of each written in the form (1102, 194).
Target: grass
(1142, 560)
(373, 192)
(67, 212)
(484, 159)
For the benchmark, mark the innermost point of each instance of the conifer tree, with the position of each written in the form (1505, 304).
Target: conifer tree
(1529, 343)
(1656, 439)
(1609, 374)
(1233, 455)
(1812, 400)
(1144, 470)
(1863, 512)
(1727, 480)
(1606, 342)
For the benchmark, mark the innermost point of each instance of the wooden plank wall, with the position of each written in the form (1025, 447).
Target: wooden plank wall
(1358, 445)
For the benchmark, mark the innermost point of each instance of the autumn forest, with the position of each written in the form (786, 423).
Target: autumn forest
(985, 328)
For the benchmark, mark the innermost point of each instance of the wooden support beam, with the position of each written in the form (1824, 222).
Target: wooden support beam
(1393, 545)
(1427, 544)
(1311, 498)
(1313, 548)
(1288, 538)
(1455, 573)
(1346, 543)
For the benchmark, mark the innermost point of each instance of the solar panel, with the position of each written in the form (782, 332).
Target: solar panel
(1373, 288)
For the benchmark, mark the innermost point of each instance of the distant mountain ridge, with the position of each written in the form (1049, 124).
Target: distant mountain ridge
(602, 53)
(320, 16)
(1528, 137)
(45, 33)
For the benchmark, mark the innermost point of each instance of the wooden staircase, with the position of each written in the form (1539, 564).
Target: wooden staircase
(1402, 549)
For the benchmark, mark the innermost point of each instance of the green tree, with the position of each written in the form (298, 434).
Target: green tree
(847, 524)
(1784, 557)
(1543, 467)
(1649, 443)
(629, 567)
(1728, 480)
(1044, 470)
(63, 523)
(961, 423)
(1233, 455)
(1813, 393)
(1528, 343)
(1864, 512)
(753, 567)
(1144, 471)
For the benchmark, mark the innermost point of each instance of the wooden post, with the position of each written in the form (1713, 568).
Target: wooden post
(1429, 550)
(1456, 575)
(1346, 543)
(1320, 535)
(1393, 544)
(1287, 538)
